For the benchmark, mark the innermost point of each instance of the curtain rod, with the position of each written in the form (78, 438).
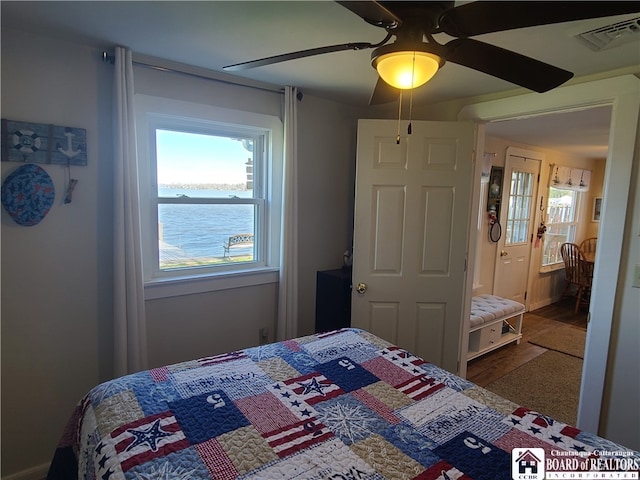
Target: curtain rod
(108, 58)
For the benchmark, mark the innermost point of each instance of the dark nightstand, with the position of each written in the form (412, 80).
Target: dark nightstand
(333, 299)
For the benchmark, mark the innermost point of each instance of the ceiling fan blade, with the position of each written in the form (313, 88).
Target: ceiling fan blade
(373, 12)
(477, 18)
(383, 93)
(295, 55)
(505, 64)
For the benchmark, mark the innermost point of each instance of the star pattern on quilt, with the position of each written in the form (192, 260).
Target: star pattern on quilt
(347, 421)
(449, 379)
(312, 386)
(167, 472)
(106, 475)
(150, 436)
(102, 457)
(546, 419)
(103, 461)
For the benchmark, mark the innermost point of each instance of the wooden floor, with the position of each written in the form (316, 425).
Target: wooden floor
(493, 365)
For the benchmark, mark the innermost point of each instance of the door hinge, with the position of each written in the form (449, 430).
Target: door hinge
(525, 295)
(531, 241)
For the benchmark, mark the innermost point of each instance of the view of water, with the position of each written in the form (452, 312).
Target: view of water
(200, 231)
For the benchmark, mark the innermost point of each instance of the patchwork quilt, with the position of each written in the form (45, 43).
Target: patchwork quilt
(339, 405)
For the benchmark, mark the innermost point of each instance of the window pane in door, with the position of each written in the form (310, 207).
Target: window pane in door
(519, 208)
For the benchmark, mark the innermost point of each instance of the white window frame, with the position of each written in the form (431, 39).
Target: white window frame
(161, 113)
(548, 267)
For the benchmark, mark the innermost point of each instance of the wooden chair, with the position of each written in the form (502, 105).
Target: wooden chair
(589, 245)
(575, 274)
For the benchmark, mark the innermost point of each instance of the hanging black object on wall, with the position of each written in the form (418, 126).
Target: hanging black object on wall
(494, 197)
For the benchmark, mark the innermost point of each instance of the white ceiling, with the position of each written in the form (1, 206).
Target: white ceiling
(212, 34)
(583, 133)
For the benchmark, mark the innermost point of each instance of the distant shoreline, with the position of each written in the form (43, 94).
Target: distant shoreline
(205, 186)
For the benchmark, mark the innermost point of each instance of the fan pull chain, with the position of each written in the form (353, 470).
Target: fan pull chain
(413, 69)
(399, 118)
(410, 111)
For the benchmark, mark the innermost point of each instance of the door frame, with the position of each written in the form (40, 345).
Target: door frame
(621, 93)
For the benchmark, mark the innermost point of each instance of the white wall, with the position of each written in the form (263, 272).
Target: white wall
(326, 151)
(621, 418)
(56, 284)
(192, 326)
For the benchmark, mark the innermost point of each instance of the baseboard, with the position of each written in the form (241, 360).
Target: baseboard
(33, 473)
(542, 303)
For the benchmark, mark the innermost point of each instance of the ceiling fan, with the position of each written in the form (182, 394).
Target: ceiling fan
(413, 24)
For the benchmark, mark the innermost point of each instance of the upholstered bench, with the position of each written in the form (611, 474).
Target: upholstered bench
(494, 322)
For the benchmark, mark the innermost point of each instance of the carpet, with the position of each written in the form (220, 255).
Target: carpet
(566, 339)
(548, 384)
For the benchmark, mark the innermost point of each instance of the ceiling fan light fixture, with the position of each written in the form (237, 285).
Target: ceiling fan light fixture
(407, 69)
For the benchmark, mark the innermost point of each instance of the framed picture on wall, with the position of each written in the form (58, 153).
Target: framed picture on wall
(597, 207)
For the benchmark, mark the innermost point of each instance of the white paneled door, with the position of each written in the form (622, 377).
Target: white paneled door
(412, 211)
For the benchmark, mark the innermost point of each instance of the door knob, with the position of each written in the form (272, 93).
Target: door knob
(361, 288)
(503, 253)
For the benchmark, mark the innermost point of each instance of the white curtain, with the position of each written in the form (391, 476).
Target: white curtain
(288, 301)
(130, 338)
(568, 178)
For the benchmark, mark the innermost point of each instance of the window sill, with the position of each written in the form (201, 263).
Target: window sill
(188, 285)
(552, 268)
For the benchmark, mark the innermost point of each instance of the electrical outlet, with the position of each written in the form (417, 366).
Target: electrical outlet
(636, 276)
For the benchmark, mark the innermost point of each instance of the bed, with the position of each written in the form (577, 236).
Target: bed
(339, 405)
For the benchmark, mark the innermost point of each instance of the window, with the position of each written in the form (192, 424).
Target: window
(562, 222)
(519, 211)
(209, 202)
(207, 198)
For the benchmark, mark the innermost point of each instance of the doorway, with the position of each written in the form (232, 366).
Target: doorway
(621, 94)
(558, 140)
(519, 253)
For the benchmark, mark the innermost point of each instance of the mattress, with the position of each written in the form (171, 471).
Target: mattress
(340, 405)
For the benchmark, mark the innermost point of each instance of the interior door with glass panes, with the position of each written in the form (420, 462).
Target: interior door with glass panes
(520, 187)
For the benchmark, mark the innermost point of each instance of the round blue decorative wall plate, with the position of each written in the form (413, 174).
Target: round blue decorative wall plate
(28, 194)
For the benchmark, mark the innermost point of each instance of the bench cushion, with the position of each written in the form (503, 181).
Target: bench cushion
(485, 308)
